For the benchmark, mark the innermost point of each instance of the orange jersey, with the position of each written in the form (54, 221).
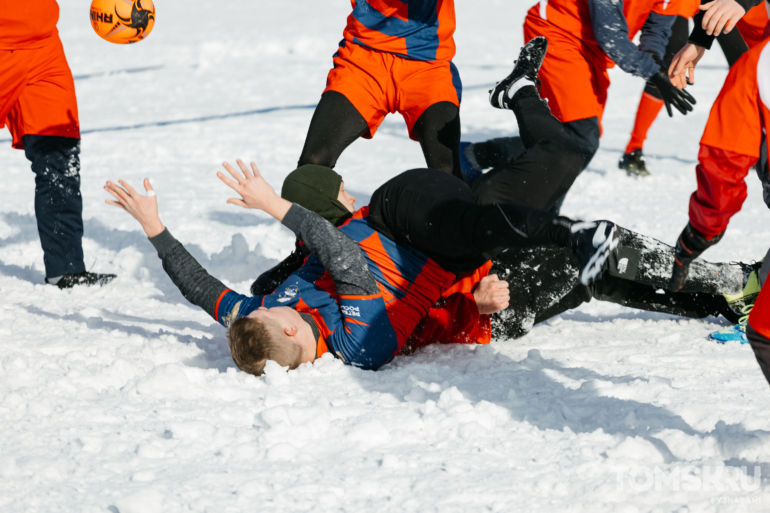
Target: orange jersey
(26, 24)
(752, 26)
(422, 30)
(572, 17)
(637, 11)
(686, 8)
(731, 142)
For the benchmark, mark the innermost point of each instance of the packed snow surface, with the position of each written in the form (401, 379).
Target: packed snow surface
(125, 399)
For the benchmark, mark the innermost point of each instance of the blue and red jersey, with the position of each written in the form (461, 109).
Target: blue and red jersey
(365, 331)
(416, 29)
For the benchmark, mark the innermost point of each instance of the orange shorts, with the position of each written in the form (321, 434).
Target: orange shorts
(377, 83)
(760, 314)
(574, 73)
(37, 93)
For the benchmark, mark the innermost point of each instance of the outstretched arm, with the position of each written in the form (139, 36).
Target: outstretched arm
(195, 284)
(338, 253)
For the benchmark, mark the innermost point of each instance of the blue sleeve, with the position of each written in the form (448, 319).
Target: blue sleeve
(655, 34)
(611, 32)
(231, 306)
(366, 338)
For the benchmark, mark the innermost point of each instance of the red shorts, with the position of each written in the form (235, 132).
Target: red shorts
(37, 93)
(377, 83)
(574, 73)
(760, 314)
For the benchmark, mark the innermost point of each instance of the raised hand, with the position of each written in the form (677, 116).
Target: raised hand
(721, 16)
(255, 192)
(491, 294)
(142, 208)
(681, 73)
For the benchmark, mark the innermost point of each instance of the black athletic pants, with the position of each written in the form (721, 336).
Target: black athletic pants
(544, 171)
(436, 214)
(544, 283)
(58, 204)
(336, 124)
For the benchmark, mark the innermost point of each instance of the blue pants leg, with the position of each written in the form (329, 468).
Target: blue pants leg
(58, 203)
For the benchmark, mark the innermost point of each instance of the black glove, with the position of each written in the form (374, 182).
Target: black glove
(679, 98)
(691, 245)
(269, 280)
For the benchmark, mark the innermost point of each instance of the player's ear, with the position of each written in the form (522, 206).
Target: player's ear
(290, 331)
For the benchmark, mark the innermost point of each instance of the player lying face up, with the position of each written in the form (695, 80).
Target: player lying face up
(340, 299)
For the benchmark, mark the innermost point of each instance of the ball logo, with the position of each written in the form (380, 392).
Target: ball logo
(123, 21)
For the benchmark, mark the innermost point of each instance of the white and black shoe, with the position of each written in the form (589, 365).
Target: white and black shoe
(525, 69)
(593, 243)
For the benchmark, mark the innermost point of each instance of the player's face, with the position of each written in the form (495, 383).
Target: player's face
(346, 198)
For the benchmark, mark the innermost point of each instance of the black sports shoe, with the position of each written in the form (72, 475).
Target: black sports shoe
(633, 163)
(593, 243)
(526, 66)
(85, 278)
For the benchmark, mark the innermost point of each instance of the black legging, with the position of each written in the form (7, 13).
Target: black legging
(336, 124)
(436, 214)
(544, 171)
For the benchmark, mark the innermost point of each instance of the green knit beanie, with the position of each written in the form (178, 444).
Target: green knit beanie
(316, 188)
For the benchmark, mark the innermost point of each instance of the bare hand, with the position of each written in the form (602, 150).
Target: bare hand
(491, 294)
(255, 192)
(685, 60)
(142, 208)
(721, 16)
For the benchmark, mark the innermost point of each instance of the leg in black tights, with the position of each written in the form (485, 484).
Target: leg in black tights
(335, 125)
(545, 171)
(438, 130)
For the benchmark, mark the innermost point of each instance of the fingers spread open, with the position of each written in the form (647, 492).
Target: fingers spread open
(239, 202)
(233, 172)
(243, 167)
(255, 169)
(230, 183)
(128, 187)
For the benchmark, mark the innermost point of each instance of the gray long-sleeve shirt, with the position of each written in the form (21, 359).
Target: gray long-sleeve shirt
(338, 253)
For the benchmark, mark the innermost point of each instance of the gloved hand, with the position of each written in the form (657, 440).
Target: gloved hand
(691, 245)
(679, 98)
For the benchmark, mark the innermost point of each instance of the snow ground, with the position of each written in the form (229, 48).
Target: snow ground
(125, 399)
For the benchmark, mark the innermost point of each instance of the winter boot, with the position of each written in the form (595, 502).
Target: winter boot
(524, 73)
(634, 164)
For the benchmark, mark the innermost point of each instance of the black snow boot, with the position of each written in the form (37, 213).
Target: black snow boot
(525, 67)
